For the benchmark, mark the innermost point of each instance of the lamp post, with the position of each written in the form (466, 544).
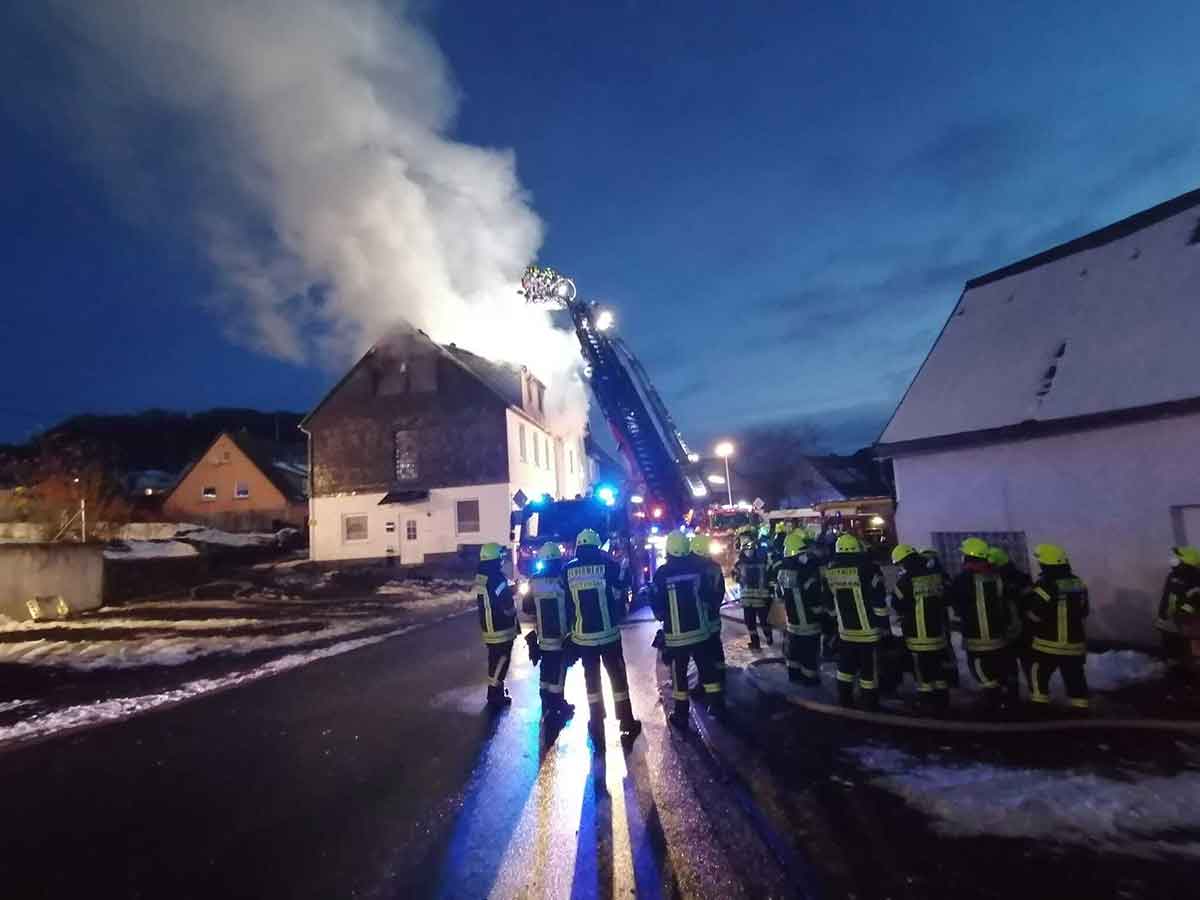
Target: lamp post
(725, 450)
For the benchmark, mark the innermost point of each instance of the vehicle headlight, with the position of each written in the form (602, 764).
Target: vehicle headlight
(523, 588)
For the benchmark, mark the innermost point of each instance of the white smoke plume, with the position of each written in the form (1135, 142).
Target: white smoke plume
(331, 200)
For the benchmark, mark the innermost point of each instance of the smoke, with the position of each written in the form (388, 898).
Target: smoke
(321, 180)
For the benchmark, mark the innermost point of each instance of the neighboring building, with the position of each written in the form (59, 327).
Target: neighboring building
(1061, 403)
(418, 451)
(242, 483)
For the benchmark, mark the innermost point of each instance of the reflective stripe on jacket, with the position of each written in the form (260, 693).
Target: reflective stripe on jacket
(552, 609)
(984, 613)
(1180, 599)
(494, 599)
(798, 579)
(1057, 607)
(679, 602)
(592, 582)
(920, 603)
(854, 588)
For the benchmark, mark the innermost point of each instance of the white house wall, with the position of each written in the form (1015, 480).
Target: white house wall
(551, 473)
(1105, 495)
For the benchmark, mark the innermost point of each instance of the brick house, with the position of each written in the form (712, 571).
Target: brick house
(417, 452)
(242, 483)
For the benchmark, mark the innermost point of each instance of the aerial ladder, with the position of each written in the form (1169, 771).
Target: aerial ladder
(659, 461)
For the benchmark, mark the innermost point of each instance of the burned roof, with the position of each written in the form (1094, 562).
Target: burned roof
(503, 378)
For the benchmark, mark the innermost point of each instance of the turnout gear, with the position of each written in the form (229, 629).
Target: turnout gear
(497, 621)
(678, 544)
(950, 662)
(986, 615)
(554, 612)
(919, 602)
(1180, 605)
(854, 590)
(490, 551)
(795, 542)
(848, 543)
(975, 548)
(1050, 555)
(1057, 607)
(681, 604)
(592, 581)
(712, 590)
(901, 553)
(798, 581)
(751, 573)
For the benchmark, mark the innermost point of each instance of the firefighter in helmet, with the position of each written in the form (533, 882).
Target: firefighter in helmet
(593, 584)
(1179, 609)
(1016, 588)
(750, 572)
(713, 589)
(854, 589)
(1057, 605)
(679, 603)
(985, 614)
(919, 602)
(797, 578)
(497, 620)
(933, 564)
(554, 613)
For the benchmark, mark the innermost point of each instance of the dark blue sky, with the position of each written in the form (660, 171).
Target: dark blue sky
(780, 201)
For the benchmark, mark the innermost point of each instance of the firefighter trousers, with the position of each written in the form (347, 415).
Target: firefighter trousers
(612, 658)
(929, 673)
(1042, 667)
(754, 617)
(714, 692)
(554, 675)
(995, 670)
(858, 662)
(716, 651)
(499, 656)
(802, 653)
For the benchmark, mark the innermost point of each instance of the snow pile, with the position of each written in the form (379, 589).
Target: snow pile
(10, 705)
(1125, 815)
(134, 549)
(1119, 669)
(91, 622)
(123, 707)
(200, 535)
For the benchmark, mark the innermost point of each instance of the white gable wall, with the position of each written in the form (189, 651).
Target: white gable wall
(1105, 495)
(1129, 312)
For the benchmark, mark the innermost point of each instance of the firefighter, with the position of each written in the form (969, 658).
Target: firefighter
(592, 581)
(854, 591)
(552, 607)
(750, 572)
(1016, 586)
(1057, 605)
(798, 582)
(497, 619)
(777, 540)
(681, 605)
(950, 664)
(985, 617)
(919, 602)
(713, 588)
(1180, 605)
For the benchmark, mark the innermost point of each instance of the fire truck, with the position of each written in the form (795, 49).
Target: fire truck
(662, 487)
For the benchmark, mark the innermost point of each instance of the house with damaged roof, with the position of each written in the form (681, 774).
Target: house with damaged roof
(417, 453)
(1061, 404)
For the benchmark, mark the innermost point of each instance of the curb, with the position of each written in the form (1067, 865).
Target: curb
(920, 723)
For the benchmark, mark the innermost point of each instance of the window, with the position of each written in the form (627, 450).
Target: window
(537, 449)
(389, 527)
(541, 397)
(354, 528)
(406, 455)
(410, 529)
(241, 490)
(208, 492)
(571, 461)
(948, 544)
(467, 515)
(521, 437)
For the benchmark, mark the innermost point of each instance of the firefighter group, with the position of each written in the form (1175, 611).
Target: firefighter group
(837, 604)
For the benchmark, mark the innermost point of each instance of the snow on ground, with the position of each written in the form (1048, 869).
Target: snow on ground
(149, 550)
(228, 539)
(123, 707)
(1126, 815)
(10, 705)
(108, 622)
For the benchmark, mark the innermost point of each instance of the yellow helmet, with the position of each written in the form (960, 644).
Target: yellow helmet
(975, 547)
(781, 527)
(701, 544)
(489, 551)
(795, 542)
(678, 544)
(587, 538)
(998, 556)
(1189, 556)
(1050, 555)
(902, 552)
(848, 543)
(549, 550)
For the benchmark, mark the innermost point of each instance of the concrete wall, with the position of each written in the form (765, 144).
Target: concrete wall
(27, 571)
(436, 519)
(1117, 499)
(26, 532)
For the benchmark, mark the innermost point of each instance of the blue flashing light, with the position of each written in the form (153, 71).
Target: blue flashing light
(654, 529)
(539, 565)
(607, 494)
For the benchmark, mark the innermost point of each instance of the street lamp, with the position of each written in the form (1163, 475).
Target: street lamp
(725, 450)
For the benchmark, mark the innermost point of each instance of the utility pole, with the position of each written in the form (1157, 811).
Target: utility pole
(82, 520)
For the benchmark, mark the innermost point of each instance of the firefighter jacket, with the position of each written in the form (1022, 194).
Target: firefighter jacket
(1180, 602)
(592, 581)
(985, 611)
(552, 606)
(798, 581)
(494, 599)
(1057, 605)
(919, 601)
(775, 554)
(712, 589)
(750, 572)
(854, 591)
(679, 602)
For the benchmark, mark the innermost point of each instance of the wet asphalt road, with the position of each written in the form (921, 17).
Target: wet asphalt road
(377, 774)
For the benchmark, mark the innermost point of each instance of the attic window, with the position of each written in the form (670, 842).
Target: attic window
(208, 492)
(1195, 238)
(405, 443)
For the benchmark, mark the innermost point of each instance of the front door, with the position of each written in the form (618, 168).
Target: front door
(410, 541)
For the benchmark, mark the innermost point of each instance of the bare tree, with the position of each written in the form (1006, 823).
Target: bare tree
(772, 462)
